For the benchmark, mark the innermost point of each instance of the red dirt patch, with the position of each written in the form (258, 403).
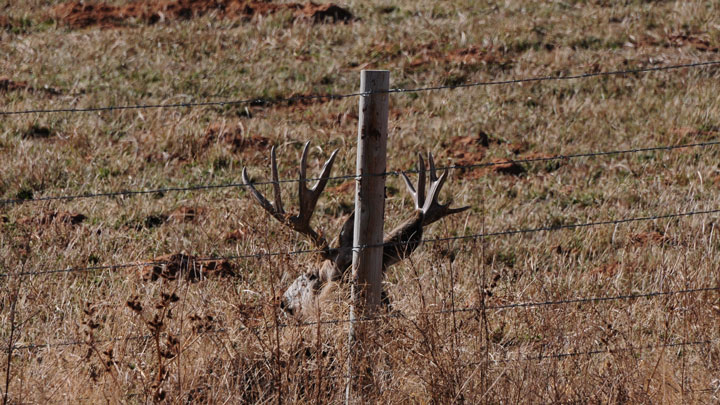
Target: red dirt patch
(504, 166)
(650, 238)
(185, 214)
(5, 22)
(233, 135)
(78, 14)
(700, 41)
(239, 234)
(53, 217)
(421, 56)
(468, 150)
(7, 85)
(186, 266)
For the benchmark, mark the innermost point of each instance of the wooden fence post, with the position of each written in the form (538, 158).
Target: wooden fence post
(366, 288)
(370, 190)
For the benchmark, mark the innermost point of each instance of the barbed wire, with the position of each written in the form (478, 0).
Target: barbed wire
(385, 244)
(355, 177)
(335, 322)
(265, 101)
(561, 356)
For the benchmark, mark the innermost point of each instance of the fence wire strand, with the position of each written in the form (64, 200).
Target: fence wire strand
(476, 166)
(398, 243)
(400, 316)
(265, 101)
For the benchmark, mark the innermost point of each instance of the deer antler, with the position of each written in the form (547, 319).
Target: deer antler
(404, 239)
(307, 197)
(432, 210)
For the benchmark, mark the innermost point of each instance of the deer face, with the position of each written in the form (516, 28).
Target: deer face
(399, 244)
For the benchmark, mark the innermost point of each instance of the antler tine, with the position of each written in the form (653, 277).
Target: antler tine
(435, 188)
(276, 183)
(431, 161)
(264, 203)
(432, 209)
(418, 195)
(421, 181)
(308, 197)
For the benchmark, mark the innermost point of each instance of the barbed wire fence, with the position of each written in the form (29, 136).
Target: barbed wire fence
(468, 237)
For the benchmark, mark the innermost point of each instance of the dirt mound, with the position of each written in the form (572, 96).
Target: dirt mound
(233, 135)
(186, 266)
(78, 14)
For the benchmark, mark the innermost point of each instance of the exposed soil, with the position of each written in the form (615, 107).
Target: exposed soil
(470, 149)
(241, 233)
(78, 14)
(504, 166)
(185, 266)
(5, 22)
(8, 85)
(233, 135)
(699, 41)
(185, 214)
(650, 238)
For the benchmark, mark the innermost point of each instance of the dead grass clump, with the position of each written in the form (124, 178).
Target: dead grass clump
(179, 265)
(79, 14)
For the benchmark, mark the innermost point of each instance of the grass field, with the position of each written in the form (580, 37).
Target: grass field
(115, 337)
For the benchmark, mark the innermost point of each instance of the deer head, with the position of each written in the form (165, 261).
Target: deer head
(398, 244)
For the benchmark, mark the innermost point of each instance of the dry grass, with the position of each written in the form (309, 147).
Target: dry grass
(220, 340)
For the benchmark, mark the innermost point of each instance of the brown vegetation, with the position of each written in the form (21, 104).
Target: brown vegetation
(172, 267)
(508, 318)
(79, 14)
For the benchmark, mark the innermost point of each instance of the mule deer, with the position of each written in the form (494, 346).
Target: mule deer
(398, 245)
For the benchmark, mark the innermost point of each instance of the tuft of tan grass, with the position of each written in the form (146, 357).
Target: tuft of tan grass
(225, 340)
